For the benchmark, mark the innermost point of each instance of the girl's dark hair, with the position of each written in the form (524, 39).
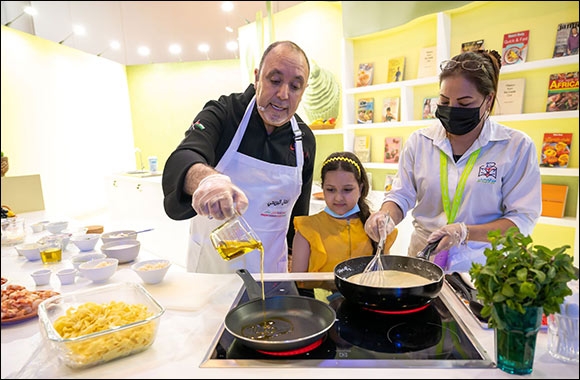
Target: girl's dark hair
(344, 161)
(484, 80)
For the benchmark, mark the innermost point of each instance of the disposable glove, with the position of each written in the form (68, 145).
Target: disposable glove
(376, 222)
(452, 235)
(218, 197)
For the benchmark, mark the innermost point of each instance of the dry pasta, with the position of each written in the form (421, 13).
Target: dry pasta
(91, 317)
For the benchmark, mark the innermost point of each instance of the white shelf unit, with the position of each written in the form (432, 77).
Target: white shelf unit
(407, 106)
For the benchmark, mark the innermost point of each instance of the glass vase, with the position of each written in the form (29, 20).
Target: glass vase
(515, 337)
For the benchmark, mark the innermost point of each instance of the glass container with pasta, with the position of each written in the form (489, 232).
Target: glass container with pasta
(91, 327)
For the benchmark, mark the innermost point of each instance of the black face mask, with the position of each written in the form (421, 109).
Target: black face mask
(458, 120)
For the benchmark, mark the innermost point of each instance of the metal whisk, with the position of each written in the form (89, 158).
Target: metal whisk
(373, 274)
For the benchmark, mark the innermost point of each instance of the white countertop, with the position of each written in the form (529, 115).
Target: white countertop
(185, 336)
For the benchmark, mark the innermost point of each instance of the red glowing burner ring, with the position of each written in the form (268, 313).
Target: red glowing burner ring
(398, 312)
(295, 352)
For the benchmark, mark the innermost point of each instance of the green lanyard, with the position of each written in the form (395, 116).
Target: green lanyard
(452, 212)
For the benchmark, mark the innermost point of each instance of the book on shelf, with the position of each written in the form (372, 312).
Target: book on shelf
(562, 92)
(566, 39)
(515, 47)
(554, 200)
(472, 46)
(510, 96)
(556, 150)
(390, 109)
(396, 69)
(362, 148)
(427, 62)
(365, 74)
(429, 108)
(393, 147)
(365, 109)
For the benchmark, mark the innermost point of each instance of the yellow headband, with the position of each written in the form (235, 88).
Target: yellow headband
(343, 159)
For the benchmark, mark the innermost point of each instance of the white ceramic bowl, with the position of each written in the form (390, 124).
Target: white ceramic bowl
(84, 257)
(123, 250)
(37, 227)
(64, 239)
(30, 251)
(152, 276)
(99, 270)
(41, 277)
(112, 236)
(66, 276)
(56, 227)
(85, 242)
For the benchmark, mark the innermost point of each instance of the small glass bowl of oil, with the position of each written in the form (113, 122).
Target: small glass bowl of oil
(51, 250)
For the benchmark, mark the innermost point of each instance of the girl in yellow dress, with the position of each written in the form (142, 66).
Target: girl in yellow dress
(336, 233)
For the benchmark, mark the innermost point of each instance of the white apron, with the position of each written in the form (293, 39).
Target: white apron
(272, 191)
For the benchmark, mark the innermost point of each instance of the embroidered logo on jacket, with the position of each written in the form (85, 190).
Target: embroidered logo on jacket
(487, 173)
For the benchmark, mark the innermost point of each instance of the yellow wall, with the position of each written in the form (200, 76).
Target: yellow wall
(64, 115)
(166, 97)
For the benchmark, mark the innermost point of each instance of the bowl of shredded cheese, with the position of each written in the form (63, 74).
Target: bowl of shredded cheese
(94, 326)
(99, 270)
(152, 271)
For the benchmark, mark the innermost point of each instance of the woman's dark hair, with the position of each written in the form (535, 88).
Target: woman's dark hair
(344, 161)
(484, 80)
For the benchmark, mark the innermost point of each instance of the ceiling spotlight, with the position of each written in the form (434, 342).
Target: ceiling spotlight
(232, 46)
(175, 49)
(115, 45)
(227, 6)
(28, 10)
(144, 51)
(79, 30)
(229, 29)
(204, 48)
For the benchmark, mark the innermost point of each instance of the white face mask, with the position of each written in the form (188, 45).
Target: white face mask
(354, 210)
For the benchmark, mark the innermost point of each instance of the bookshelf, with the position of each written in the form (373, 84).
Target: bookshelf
(407, 89)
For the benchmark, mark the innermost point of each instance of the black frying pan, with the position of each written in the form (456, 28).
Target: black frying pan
(389, 299)
(308, 318)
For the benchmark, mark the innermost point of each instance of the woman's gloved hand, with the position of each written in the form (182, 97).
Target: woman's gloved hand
(376, 222)
(451, 235)
(218, 197)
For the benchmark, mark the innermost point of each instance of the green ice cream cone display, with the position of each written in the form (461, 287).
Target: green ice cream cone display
(321, 99)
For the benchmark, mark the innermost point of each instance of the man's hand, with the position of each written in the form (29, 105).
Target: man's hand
(218, 197)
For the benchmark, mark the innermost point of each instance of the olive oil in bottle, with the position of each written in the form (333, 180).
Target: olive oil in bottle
(51, 255)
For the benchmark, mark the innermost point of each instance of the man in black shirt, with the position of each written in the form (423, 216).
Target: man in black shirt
(246, 151)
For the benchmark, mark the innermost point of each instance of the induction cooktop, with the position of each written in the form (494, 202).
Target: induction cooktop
(430, 337)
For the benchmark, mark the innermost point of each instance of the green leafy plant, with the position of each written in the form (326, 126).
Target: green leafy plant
(521, 275)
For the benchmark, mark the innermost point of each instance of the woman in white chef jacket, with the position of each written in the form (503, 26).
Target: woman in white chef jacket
(466, 175)
(264, 192)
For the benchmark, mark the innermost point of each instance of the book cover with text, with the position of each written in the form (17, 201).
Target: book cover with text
(390, 109)
(566, 39)
(471, 46)
(365, 74)
(362, 148)
(427, 62)
(429, 108)
(562, 92)
(393, 147)
(556, 150)
(510, 96)
(365, 109)
(396, 70)
(515, 47)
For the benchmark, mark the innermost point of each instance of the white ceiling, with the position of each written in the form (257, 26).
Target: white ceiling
(155, 24)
